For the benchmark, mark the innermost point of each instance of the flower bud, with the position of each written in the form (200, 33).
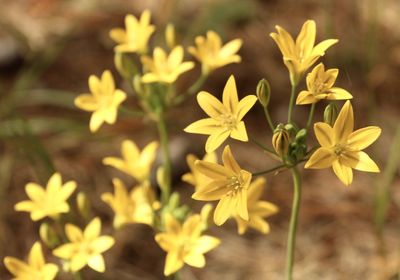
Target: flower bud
(301, 135)
(83, 205)
(48, 235)
(281, 141)
(125, 65)
(263, 92)
(170, 35)
(137, 85)
(330, 114)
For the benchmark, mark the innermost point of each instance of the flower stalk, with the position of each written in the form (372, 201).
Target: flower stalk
(291, 102)
(294, 217)
(310, 116)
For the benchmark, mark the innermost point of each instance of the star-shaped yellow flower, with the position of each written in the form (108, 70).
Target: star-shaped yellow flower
(85, 248)
(258, 209)
(341, 147)
(135, 163)
(103, 100)
(229, 184)
(49, 202)
(184, 243)
(300, 55)
(225, 118)
(194, 177)
(137, 206)
(165, 69)
(320, 86)
(136, 36)
(35, 269)
(212, 55)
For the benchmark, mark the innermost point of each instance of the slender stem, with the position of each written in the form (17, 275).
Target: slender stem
(130, 112)
(269, 170)
(310, 116)
(192, 90)
(262, 146)
(268, 116)
(163, 134)
(291, 243)
(291, 103)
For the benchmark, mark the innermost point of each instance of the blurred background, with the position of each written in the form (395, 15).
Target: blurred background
(48, 49)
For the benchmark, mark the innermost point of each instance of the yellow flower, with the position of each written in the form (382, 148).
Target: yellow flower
(210, 52)
(103, 100)
(184, 243)
(136, 36)
(194, 177)
(225, 118)
(300, 55)
(320, 86)
(49, 202)
(257, 209)
(341, 147)
(134, 163)
(165, 69)
(137, 206)
(35, 269)
(85, 248)
(229, 184)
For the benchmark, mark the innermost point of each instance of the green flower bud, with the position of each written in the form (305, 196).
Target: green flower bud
(48, 235)
(263, 92)
(301, 135)
(281, 141)
(330, 114)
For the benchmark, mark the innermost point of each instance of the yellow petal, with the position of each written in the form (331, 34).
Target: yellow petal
(344, 123)
(305, 97)
(26, 206)
(344, 173)
(230, 96)
(319, 50)
(95, 85)
(213, 170)
(213, 191)
(245, 105)
(204, 126)
(172, 225)
(96, 121)
(231, 48)
(78, 262)
(256, 189)
(118, 35)
(66, 251)
(92, 230)
(165, 241)
(195, 260)
(263, 209)
(35, 258)
(107, 83)
(97, 263)
(86, 102)
(73, 233)
(360, 161)
(362, 138)
(34, 191)
(239, 132)
(205, 243)
(321, 158)
(229, 161)
(259, 224)
(16, 267)
(67, 189)
(216, 139)
(50, 270)
(172, 263)
(339, 94)
(102, 243)
(306, 38)
(324, 134)
(242, 204)
(210, 104)
(224, 209)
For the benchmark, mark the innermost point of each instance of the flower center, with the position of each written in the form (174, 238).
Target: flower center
(228, 121)
(339, 149)
(234, 185)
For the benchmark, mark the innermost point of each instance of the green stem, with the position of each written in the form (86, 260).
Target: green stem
(294, 217)
(130, 112)
(268, 117)
(163, 134)
(192, 90)
(310, 116)
(269, 170)
(291, 103)
(263, 147)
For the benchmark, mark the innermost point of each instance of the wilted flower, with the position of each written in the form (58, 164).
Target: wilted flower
(225, 118)
(49, 202)
(103, 100)
(341, 147)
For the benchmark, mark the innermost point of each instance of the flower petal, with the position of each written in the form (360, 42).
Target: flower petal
(212, 170)
(97, 263)
(86, 102)
(224, 209)
(305, 97)
(195, 260)
(239, 132)
(321, 158)
(213, 191)
(172, 263)
(339, 94)
(102, 243)
(230, 95)
(35, 258)
(344, 123)
(204, 126)
(92, 230)
(343, 172)
(245, 104)
(362, 138)
(359, 161)
(215, 140)
(73, 233)
(324, 134)
(210, 104)
(229, 161)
